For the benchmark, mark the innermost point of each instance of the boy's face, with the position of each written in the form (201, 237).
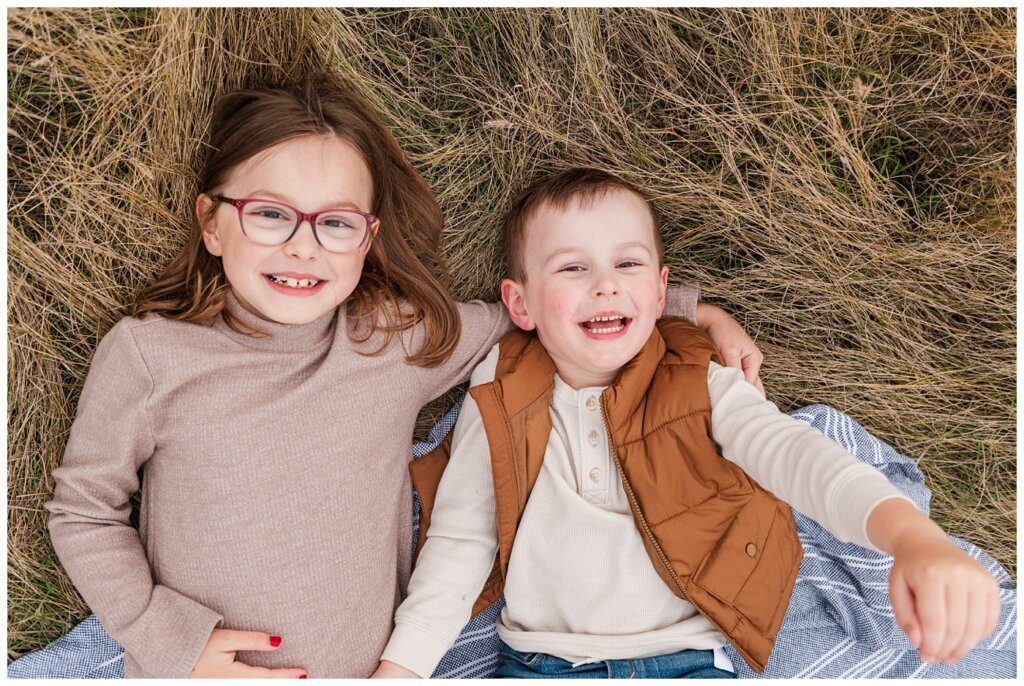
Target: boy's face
(593, 287)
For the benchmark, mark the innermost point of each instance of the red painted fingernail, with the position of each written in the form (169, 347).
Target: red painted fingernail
(275, 641)
(302, 676)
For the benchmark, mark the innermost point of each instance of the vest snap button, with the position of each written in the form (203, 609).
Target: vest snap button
(751, 549)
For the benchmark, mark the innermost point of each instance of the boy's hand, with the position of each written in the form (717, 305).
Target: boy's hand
(945, 601)
(736, 347)
(392, 670)
(217, 661)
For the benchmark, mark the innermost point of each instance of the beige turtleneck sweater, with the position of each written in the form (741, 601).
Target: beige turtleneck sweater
(275, 498)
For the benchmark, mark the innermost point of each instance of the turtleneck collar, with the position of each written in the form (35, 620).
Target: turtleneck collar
(278, 337)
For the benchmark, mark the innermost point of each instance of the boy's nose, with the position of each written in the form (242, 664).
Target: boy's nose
(606, 285)
(303, 244)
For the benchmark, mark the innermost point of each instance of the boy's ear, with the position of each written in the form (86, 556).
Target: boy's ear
(661, 290)
(208, 224)
(514, 296)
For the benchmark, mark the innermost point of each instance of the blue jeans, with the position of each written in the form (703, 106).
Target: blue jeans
(687, 664)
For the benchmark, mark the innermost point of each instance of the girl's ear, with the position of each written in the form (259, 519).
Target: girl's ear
(208, 224)
(514, 296)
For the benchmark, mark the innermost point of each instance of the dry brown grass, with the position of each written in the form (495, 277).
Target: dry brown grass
(841, 180)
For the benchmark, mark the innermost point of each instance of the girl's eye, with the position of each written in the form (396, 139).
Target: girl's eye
(572, 268)
(269, 213)
(629, 263)
(337, 223)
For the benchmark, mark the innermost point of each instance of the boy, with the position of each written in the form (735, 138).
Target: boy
(589, 456)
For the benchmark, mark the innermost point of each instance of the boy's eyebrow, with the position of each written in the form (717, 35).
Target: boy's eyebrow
(621, 246)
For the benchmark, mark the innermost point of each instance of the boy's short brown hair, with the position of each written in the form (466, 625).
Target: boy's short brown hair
(581, 184)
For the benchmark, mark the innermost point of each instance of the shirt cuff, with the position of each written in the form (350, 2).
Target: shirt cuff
(860, 496)
(415, 649)
(168, 638)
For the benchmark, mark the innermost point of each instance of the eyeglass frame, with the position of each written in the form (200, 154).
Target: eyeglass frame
(372, 221)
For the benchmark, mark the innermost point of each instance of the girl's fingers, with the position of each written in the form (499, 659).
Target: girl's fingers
(731, 357)
(903, 607)
(240, 670)
(751, 365)
(230, 640)
(930, 603)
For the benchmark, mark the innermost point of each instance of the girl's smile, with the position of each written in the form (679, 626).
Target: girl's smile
(292, 284)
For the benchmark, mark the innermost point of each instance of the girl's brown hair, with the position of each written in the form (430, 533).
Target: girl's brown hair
(404, 263)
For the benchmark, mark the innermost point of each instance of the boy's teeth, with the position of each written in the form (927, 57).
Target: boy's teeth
(619, 324)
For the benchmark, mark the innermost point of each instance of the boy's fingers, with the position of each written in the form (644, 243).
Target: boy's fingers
(903, 607)
(931, 608)
(957, 597)
(994, 603)
(977, 618)
(230, 640)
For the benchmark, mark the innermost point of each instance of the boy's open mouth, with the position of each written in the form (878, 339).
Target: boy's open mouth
(605, 324)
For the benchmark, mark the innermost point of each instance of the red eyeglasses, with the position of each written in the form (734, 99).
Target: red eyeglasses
(272, 222)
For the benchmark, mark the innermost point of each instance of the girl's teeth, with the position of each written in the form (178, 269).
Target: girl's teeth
(294, 283)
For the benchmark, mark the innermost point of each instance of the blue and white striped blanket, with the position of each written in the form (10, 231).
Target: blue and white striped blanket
(839, 623)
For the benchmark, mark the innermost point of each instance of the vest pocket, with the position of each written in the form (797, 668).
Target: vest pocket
(754, 563)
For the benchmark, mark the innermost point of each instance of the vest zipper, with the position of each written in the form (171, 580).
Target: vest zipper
(643, 522)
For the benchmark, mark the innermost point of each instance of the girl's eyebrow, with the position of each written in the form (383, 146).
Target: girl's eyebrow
(285, 199)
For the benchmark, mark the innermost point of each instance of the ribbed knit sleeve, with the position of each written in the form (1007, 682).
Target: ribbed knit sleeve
(482, 325)
(795, 462)
(681, 301)
(111, 438)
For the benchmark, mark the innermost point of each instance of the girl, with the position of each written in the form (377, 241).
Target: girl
(268, 384)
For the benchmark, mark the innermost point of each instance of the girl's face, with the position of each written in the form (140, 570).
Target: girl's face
(298, 281)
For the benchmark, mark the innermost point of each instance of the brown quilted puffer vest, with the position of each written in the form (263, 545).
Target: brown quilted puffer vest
(714, 536)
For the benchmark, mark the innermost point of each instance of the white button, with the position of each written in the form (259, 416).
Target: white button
(593, 438)
(595, 475)
(592, 403)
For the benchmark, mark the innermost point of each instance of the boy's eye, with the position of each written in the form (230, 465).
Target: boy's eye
(630, 263)
(572, 268)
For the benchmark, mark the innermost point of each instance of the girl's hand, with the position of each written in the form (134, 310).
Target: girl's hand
(391, 670)
(736, 347)
(217, 660)
(945, 601)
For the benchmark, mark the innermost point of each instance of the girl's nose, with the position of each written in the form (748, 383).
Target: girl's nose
(303, 244)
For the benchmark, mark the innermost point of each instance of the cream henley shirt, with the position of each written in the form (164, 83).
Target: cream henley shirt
(580, 585)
